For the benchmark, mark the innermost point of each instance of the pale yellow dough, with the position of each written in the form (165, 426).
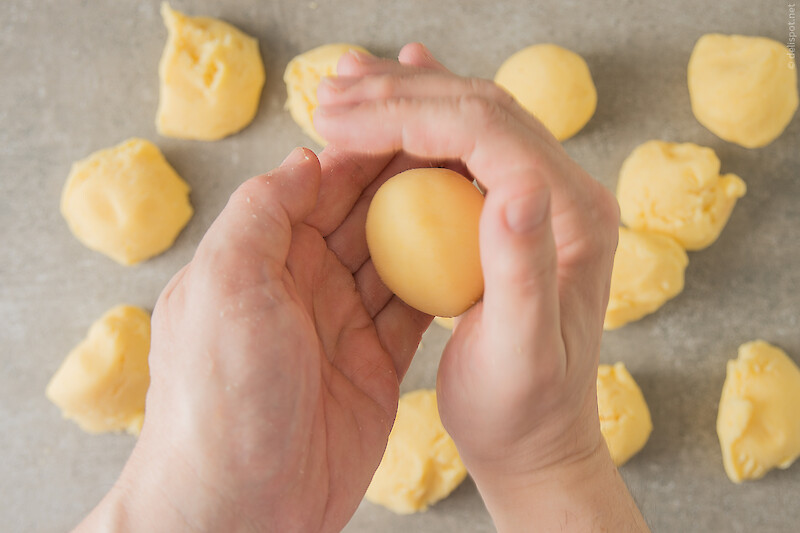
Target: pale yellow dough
(302, 77)
(102, 383)
(211, 78)
(421, 464)
(648, 270)
(126, 202)
(552, 83)
(759, 413)
(743, 89)
(422, 233)
(676, 189)
(445, 321)
(624, 417)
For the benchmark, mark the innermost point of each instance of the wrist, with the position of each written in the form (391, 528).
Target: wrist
(582, 493)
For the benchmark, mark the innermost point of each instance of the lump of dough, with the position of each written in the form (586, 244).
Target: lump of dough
(446, 322)
(422, 234)
(421, 464)
(211, 78)
(126, 202)
(758, 423)
(676, 189)
(743, 89)
(302, 77)
(648, 270)
(552, 83)
(624, 417)
(103, 382)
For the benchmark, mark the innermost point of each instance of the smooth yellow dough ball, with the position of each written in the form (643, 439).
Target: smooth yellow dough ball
(624, 417)
(126, 202)
(676, 189)
(552, 83)
(758, 423)
(421, 464)
(302, 77)
(102, 383)
(743, 89)
(422, 234)
(211, 78)
(648, 270)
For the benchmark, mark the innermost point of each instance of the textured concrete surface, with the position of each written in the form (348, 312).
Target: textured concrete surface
(79, 76)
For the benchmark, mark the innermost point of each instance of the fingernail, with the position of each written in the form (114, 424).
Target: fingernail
(338, 83)
(362, 57)
(330, 110)
(527, 212)
(295, 157)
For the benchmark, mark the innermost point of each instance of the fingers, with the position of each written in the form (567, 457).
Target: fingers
(253, 232)
(418, 55)
(521, 299)
(400, 328)
(345, 175)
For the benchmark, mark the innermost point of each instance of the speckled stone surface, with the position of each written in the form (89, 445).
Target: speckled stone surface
(78, 76)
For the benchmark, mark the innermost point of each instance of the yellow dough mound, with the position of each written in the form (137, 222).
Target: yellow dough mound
(743, 89)
(126, 202)
(447, 322)
(624, 417)
(552, 83)
(421, 464)
(302, 77)
(211, 78)
(759, 413)
(676, 189)
(103, 382)
(648, 270)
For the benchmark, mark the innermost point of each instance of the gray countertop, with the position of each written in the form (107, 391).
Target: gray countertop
(78, 76)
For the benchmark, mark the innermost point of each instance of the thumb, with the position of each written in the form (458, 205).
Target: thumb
(520, 304)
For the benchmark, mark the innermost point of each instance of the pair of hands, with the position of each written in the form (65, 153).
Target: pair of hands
(277, 352)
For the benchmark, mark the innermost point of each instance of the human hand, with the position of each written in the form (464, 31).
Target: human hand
(517, 380)
(275, 361)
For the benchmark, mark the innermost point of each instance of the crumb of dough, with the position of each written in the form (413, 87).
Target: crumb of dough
(676, 189)
(552, 83)
(126, 202)
(102, 383)
(758, 422)
(421, 464)
(743, 89)
(648, 270)
(302, 77)
(624, 417)
(211, 76)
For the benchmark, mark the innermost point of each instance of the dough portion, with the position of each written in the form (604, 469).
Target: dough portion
(447, 322)
(302, 77)
(624, 417)
(102, 383)
(758, 423)
(421, 464)
(676, 189)
(211, 76)
(648, 270)
(742, 88)
(552, 83)
(126, 202)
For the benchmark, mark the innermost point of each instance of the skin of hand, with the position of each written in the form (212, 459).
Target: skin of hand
(275, 361)
(517, 381)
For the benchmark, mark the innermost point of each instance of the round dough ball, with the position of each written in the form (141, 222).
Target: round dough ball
(624, 417)
(648, 270)
(211, 76)
(126, 202)
(422, 233)
(421, 464)
(302, 77)
(676, 189)
(552, 83)
(743, 89)
(103, 382)
(758, 423)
